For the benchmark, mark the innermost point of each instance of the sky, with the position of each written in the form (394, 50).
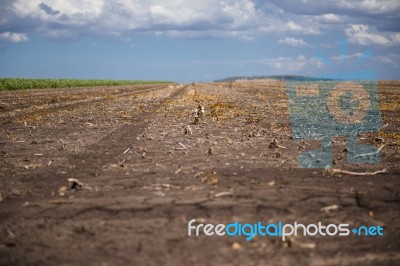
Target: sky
(193, 40)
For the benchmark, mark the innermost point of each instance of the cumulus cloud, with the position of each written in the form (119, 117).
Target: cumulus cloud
(58, 11)
(390, 59)
(120, 18)
(365, 35)
(294, 42)
(285, 64)
(349, 7)
(383, 14)
(13, 37)
(330, 17)
(68, 18)
(275, 65)
(386, 7)
(348, 57)
(297, 64)
(245, 19)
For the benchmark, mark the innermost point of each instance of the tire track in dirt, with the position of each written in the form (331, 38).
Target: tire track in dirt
(117, 141)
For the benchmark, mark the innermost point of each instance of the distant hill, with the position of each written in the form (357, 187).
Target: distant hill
(278, 77)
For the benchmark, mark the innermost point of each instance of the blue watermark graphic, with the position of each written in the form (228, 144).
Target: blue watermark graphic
(340, 104)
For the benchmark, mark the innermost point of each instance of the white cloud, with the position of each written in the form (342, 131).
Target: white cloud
(364, 35)
(244, 19)
(289, 65)
(293, 64)
(330, 17)
(349, 7)
(294, 42)
(282, 25)
(348, 57)
(121, 18)
(275, 65)
(391, 59)
(13, 36)
(371, 6)
(80, 10)
(396, 37)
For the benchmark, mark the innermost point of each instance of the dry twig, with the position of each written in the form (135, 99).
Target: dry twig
(127, 150)
(383, 171)
(330, 208)
(371, 153)
(223, 194)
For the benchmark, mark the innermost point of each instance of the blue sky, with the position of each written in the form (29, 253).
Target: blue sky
(185, 41)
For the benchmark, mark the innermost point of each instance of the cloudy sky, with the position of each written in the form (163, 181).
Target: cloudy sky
(193, 40)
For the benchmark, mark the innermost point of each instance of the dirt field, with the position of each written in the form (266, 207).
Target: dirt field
(144, 168)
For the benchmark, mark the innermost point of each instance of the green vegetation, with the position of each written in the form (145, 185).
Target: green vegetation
(22, 84)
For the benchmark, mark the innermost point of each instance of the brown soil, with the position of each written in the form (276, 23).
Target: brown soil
(145, 176)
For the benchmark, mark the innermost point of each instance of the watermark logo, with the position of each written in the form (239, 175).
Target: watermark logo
(339, 104)
(280, 229)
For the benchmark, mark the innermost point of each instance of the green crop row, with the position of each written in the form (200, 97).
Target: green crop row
(22, 84)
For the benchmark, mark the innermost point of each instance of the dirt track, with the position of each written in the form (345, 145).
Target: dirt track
(145, 174)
